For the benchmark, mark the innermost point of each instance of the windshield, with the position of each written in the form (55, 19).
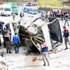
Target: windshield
(7, 9)
(14, 7)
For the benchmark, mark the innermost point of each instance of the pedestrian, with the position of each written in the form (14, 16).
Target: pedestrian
(4, 32)
(10, 34)
(62, 15)
(48, 14)
(66, 17)
(58, 14)
(66, 35)
(16, 41)
(21, 14)
(7, 41)
(13, 15)
(6, 29)
(1, 24)
(44, 53)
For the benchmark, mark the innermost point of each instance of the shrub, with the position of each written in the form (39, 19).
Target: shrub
(55, 3)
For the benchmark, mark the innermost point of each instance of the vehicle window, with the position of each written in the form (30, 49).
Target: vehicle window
(7, 9)
(14, 7)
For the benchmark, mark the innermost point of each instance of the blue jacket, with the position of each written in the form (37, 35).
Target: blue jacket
(16, 39)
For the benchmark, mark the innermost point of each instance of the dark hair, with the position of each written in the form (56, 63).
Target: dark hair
(64, 27)
(15, 33)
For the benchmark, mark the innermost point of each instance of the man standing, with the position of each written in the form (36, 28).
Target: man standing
(1, 24)
(13, 16)
(7, 40)
(21, 14)
(66, 16)
(66, 35)
(16, 41)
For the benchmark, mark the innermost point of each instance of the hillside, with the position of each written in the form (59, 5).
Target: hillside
(53, 2)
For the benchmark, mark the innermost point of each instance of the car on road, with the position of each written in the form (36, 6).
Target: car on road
(5, 9)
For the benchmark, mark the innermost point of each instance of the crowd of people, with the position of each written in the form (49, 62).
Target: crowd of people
(64, 17)
(57, 14)
(6, 33)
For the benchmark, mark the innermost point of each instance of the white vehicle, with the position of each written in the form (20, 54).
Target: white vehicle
(31, 6)
(6, 9)
(38, 30)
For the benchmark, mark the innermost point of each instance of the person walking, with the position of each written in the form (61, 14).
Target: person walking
(16, 41)
(66, 35)
(44, 53)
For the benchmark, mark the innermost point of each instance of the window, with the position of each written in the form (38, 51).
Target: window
(14, 7)
(7, 9)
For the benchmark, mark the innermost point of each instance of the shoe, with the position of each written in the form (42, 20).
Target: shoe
(65, 48)
(10, 52)
(48, 64)
(7, 52)
(16, 52)
(44, 64)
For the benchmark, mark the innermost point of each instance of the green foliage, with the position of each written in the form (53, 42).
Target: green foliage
(55, 3)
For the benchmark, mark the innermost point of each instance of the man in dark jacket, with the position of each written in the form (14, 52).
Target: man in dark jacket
(21, 14)
(7, 40)
(1, 24)
(66, 35)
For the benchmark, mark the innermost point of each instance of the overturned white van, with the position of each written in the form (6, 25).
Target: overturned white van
(37, 30)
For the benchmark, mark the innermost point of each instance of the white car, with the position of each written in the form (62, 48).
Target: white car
(5, 9)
